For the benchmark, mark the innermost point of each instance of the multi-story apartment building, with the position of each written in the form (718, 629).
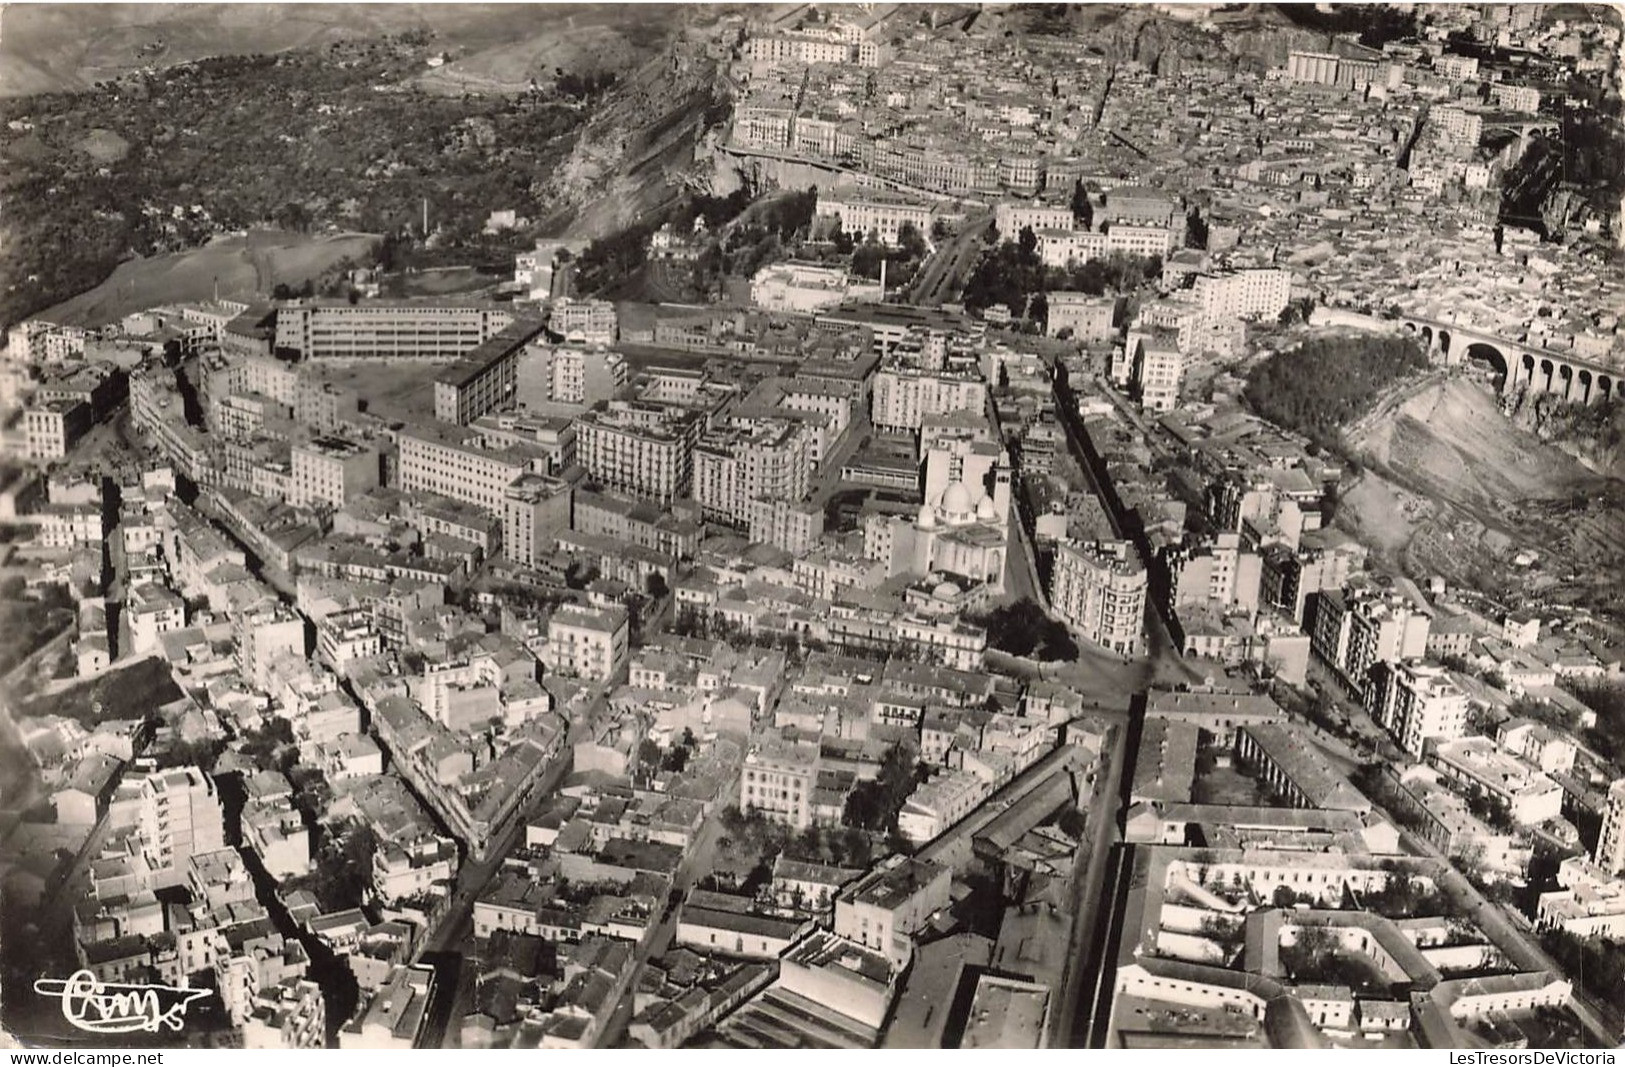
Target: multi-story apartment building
(1067, 248)
(1218, 574)
(646, 450)
(486, 379)
(1099, 590)
(1081, 317)
(52, 427)
(341, 330)
(587, 643)
(1128, 239)
(569, 374)
(179, 816)
(1354, 629)
(637, 522)
(888, 906)
(1159, 368)
(535, 509)
(263, 634)
(589, 322)
(331, 471)
(792, 525)
(779, 779)
(452, 462)
(151, 610)
(1610, 853)
(1458, 125)
(1477, 766)
(905, 395)
(1262, 293)
(1415, 703)
(770, 459)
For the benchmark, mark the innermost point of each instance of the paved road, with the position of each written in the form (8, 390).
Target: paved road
(1088, 948)
(946, 271)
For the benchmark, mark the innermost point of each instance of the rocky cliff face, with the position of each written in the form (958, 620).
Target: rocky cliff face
(643, 146)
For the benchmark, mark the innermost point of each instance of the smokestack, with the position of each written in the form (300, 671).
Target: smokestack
(425, 218)
(882, 281)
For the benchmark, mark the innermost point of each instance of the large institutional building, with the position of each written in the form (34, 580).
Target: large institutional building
(341, 330)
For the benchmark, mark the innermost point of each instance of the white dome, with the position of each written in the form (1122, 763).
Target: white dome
(956, 502)
(987, 511)
(946, 591)
(928, 517)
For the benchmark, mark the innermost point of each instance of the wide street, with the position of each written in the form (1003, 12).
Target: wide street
(1088, 947)
(945, 271)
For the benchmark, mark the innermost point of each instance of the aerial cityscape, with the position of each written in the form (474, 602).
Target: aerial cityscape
(761, 526)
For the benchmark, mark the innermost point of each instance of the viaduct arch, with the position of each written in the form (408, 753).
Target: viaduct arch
(1522, 367)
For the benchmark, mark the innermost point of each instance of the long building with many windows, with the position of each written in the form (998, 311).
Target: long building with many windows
(318, 329)
(487, 378)
(452, 462)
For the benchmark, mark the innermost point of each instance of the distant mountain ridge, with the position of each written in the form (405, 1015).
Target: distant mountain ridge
(67, 47)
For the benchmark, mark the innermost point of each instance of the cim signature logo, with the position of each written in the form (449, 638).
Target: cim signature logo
(113, 1008)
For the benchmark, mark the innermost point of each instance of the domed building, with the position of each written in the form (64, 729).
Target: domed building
(964, 530)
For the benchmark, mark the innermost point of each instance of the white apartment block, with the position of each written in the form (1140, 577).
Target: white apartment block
(771, 460)
(1459, 125)
(452, 464)
(1135, 240)
(590, 322)
(1065, 248)
(152, 610)
(1416, 703)
(535, 508)
(54, 426)
(1261, 293)
(1610, 854)
(587, 643)
(1159, 368)
(778, 780)
(904, 396)
(179, 816)
(642, 450)
(331, 471)
(1476, 765)
(1099, 590)
(936, 805)
(791, 525)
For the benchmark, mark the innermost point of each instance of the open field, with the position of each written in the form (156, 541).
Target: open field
(243, 267)
(398, 390)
